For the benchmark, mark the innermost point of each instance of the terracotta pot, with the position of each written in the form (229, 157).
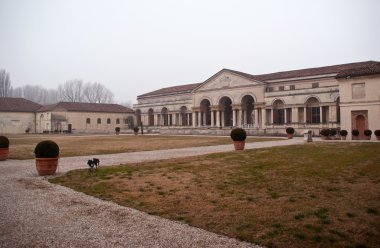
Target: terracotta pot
(367, 137)
(343, 137)
(290, 136)
(117, 133)
(355, 137)
(378, 137)
(136, 133)
(4, 152)
(239, 145)
(46, 166)
(325, 137)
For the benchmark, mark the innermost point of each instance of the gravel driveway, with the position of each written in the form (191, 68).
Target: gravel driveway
(35, 213)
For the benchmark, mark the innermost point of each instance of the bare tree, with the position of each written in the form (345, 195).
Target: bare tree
(5, 84)
(71, 91)
(97, 93)
(36, 93)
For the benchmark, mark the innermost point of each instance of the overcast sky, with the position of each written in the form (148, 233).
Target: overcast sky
(134, 47)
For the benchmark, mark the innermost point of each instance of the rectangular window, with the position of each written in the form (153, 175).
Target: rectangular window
(315, 85)
(315, 113)
(281, 88)
(269, 89)
(292, 87)
(358, 91)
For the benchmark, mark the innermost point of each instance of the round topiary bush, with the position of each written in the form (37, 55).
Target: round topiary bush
(355, 132)
(135, 129)
(46, 149)
(367, 132)
(117, 129)
(325, 132)
(4, 142)
(377, 132)
(332, 132)
(238, 134)
(343, 132)
(290, 130)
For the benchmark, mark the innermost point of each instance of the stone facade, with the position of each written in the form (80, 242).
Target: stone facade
(308, 99)
(18, 115)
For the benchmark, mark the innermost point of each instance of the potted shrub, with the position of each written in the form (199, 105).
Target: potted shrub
(325, 134)
(343, 134)
(117, 130)
(4, 148)
(290, 132)
(367, 134)
(136, 130)
(332, 133)
(46, 153)
(355, 134)
(377, 133)
(238, 135)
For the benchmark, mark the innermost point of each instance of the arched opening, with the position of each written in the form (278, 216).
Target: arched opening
(150, 117)
(206, 112)
(117, 121)
(164, 116)
(99, 121)
(108, 120)
(247, 110)
(138, 117)
(313, 114)
(278, 112)
(183, 116)
(88, 121)
(225, 105)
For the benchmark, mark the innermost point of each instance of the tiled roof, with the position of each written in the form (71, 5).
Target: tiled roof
(87, 107)
(334, 69)
(367, 70)
(9, 104)
(175, 89)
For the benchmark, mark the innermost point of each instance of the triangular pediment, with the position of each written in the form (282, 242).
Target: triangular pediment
(228, 79)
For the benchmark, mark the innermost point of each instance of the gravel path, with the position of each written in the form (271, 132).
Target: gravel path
(35, 213)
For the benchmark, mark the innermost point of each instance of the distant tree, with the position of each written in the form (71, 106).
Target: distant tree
(36, 93)
(5, 84)
(127, 104)
(97, 93)
(71, 91)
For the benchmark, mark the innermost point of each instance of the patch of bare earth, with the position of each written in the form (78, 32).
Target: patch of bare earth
(314, 195)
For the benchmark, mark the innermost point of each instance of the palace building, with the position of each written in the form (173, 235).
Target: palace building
(343, 96)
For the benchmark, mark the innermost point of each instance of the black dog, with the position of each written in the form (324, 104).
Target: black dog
(93, 163)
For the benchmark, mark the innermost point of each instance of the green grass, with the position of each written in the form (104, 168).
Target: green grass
(312, 195)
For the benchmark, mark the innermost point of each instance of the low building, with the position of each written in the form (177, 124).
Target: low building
(18, 115)
(343, 96)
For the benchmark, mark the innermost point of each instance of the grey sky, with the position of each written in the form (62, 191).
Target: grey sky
(134, 47)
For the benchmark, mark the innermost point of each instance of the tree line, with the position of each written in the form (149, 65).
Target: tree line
(70, 91)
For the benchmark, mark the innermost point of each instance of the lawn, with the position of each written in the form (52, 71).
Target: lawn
(312, 195)
(22, 147)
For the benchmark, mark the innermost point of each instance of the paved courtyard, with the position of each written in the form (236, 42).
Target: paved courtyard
(35, 213)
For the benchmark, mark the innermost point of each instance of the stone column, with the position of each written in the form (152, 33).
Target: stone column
(212, 118)
(264, 115)
(199, 119)
(218, 118)
(256, 124)
(294, 114)
(285, 118)
(239, 117)
(174, 119)
(233, 117)
(271, 116)
(194, 118)
(223, 119)
(320, 114)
